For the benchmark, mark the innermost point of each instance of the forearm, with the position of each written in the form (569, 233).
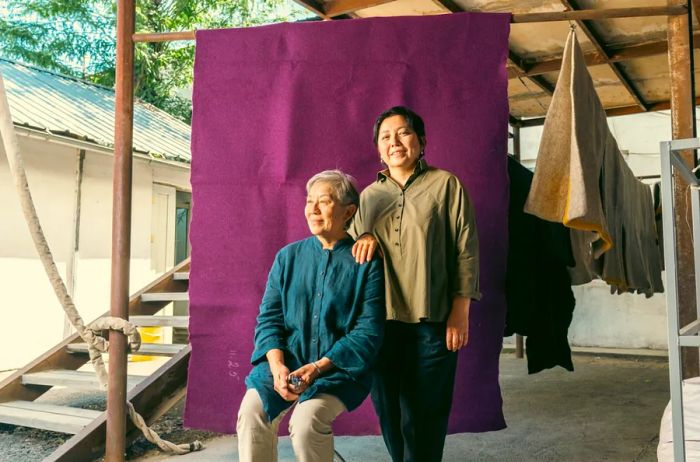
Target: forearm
(460, 305)
(324, 365)
(275, 357)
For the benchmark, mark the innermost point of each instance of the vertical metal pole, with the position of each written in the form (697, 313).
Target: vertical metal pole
(519, 347)
(682, 103)
(121, 229)
(674, 350)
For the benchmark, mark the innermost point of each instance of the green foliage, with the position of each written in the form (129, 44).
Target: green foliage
(77, 38)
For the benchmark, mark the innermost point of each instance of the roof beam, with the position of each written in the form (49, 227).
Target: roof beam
(449, 5)
(315, 6)
(592, 59)
(598, 44)
(518, 64)
(613, 112)
(603, 13)
(338, 7)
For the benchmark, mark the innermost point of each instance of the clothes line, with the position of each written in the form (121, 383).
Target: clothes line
(606, 13)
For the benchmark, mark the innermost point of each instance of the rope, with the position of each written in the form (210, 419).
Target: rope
(91, 333)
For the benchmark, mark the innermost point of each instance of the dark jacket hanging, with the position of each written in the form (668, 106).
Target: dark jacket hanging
(538, 286)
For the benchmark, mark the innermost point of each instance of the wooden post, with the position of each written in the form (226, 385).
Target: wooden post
(682, 121)
(121, 229)
(74, 251)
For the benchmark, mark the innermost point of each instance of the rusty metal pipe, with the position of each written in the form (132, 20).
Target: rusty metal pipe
(682, 104)
(115, 440)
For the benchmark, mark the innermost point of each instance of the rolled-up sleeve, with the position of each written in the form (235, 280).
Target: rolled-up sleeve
(269, 331)
(356, 352)
(462, 217)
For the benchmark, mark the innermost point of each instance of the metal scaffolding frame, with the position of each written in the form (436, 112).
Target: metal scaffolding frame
(678, 335)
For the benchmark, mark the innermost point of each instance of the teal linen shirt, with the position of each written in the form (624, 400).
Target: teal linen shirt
(318, 303)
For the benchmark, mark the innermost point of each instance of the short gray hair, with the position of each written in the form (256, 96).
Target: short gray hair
(343, 185)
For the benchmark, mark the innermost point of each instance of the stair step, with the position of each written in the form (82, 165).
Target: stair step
(147, 321)
(165, 297)
(77, 379)
(62, 419)
(185, 276)
(153, 349)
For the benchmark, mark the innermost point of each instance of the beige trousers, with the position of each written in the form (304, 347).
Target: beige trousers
(309, 428)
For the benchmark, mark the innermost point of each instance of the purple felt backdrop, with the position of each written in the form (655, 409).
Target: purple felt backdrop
(274, 105)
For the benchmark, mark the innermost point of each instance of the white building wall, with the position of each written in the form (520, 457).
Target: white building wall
(33, 320)
(618, 321)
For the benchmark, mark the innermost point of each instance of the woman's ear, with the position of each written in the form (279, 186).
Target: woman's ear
(350, 212)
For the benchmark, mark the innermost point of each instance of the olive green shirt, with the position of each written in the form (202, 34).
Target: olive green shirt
(427, 232)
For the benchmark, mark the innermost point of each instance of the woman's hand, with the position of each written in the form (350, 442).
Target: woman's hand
(457, 335)
(306, 375)
(280, 375)
(364, 248)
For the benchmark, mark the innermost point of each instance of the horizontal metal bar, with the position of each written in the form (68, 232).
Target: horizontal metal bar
(689, 340)
(684, 144)
(605, 13)
(164, 36)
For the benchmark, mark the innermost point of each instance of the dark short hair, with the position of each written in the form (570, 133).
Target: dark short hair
(412, 119)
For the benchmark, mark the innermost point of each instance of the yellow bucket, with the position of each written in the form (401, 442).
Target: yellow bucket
(148, 335)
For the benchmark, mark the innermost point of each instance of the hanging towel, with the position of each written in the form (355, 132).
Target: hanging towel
(582, 181)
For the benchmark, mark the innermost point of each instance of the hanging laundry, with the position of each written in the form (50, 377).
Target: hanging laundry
(539, 299)
(582, 181)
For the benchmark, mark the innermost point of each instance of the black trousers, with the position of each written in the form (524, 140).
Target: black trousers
(412, 390)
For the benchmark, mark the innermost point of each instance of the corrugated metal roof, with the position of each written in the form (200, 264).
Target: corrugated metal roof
(67, 106)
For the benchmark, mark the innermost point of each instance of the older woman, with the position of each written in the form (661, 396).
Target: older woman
(319, 330)
(423, 221)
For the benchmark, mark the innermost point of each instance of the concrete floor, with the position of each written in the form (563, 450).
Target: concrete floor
(607, 410)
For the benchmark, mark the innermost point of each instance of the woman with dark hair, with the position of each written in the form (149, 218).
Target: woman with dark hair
(423, 222)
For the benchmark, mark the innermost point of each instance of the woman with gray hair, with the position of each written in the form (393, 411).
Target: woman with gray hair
(319, 331)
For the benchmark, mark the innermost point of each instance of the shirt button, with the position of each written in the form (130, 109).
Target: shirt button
(396, 243)
(398, 218)
(400, 205)
(313, 340)
(318, 295)
(397, 230)
(315, 316)
(322, 272)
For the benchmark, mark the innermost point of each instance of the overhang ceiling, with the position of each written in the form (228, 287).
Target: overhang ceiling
(627, 57)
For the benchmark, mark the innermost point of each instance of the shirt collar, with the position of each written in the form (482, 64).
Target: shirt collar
(421, 167)
(345, 242)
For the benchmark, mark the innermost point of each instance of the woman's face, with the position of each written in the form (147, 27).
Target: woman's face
(325, 215)
(399, 146)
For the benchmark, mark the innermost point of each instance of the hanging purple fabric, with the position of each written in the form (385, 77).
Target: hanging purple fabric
(274, 105)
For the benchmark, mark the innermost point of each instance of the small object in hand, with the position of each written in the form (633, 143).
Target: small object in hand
(295, 382)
